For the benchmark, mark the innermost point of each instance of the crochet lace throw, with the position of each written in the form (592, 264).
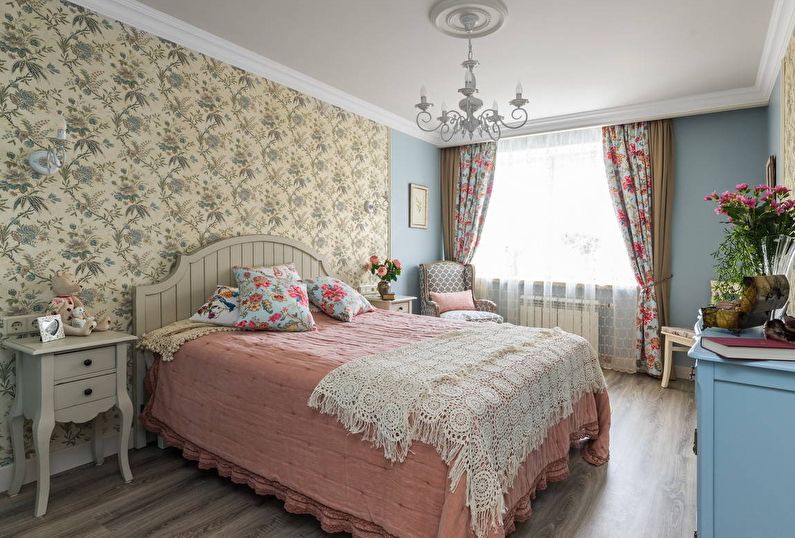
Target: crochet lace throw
(484, 397)
(167, 340)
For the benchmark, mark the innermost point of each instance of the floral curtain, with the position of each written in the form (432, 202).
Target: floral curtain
(475, 181)
(629, 176)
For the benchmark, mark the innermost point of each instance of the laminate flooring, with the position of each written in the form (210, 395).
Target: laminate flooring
(648, 489)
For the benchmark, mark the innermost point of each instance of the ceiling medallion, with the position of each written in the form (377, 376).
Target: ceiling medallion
(469, 19)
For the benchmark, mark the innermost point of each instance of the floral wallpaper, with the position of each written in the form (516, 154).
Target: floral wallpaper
(787, 150)
(170, 150)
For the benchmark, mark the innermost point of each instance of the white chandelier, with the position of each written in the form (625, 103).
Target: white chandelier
(462, 18)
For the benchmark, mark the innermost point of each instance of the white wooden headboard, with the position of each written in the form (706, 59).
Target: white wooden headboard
(195, 276)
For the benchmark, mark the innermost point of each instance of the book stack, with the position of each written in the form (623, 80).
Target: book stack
(749, 348)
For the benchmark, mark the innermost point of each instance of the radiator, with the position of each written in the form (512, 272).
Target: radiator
(576, 316)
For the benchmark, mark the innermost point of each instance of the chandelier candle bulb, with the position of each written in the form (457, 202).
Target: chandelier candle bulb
(495, 106)
(60, 134)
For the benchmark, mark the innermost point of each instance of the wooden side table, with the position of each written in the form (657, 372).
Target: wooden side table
(401, 303)
(676, 339)
(69, 380)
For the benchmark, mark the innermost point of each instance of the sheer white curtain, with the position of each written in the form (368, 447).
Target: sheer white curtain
(551, 251)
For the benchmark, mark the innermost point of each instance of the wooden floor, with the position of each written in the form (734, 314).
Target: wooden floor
(647, 490)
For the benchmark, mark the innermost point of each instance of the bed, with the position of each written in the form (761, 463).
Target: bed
(237, 402)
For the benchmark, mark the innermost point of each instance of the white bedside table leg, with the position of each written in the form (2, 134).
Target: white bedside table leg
(18, 444)
(43, 425)
(126, 409)
(98, 441)
(16, 425)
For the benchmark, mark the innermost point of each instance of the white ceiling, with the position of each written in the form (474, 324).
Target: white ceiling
(572, 56)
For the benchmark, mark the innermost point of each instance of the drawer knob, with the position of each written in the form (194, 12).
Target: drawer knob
(88, 392)
(88, 362)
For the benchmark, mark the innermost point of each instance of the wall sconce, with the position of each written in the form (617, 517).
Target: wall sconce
(48, 161)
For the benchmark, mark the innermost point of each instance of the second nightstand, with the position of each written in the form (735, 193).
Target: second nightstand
(401, 303)
(68, 380)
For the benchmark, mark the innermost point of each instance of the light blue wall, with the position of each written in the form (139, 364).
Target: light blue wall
(414, 161)
(774, 126)
(711, 152)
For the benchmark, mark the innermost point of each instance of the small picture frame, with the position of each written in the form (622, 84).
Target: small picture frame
(418, 206)
(50, 328)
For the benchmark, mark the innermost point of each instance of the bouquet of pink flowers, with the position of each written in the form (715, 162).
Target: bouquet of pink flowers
(387, 270)
(757, 218)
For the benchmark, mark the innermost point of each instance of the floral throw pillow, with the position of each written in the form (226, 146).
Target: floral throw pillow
(337, 299)
(272, 304)
(221, 308)
(286, 270)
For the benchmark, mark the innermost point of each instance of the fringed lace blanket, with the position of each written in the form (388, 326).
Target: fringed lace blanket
(167, 340)
(484, 397)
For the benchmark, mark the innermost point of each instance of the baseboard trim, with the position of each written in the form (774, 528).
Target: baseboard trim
(60, 461)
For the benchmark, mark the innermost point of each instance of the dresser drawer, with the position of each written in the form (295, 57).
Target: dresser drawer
(84, 391)
(83, 363)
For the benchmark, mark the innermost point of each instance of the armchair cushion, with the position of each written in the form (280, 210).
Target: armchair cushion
(471, 315)
(454, 300)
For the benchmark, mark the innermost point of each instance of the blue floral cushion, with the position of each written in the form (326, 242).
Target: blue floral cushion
(337, 299)
(272, 304)
(221, 308)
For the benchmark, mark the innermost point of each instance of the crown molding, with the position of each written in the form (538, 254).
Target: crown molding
(779, 32)
(153, 21)
(143, 17)
(656, 110)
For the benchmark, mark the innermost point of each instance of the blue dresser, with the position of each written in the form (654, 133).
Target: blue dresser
(746, 445)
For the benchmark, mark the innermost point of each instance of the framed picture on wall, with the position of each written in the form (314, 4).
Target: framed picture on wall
(418, 206)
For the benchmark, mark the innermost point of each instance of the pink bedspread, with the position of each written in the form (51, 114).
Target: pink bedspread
(238, 402)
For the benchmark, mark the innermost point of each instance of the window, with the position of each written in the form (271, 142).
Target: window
(550, 217)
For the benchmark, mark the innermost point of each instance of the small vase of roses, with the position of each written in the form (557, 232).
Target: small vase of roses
(387, 271)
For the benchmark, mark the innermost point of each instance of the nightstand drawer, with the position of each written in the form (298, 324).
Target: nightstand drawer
(82, 363)
(400, 307)
(84, 391)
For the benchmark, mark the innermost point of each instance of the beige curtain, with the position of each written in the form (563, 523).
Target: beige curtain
(662, 170)
(450, 169)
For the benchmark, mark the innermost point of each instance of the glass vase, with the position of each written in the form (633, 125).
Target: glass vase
(384, 289)
(778, 254)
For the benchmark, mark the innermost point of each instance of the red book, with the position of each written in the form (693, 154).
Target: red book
(749, 348)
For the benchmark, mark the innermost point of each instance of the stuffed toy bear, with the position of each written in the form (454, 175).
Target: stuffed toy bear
(80, 317)
(76, 322)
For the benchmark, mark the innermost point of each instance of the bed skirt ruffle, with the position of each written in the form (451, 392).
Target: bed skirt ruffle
(332, 520)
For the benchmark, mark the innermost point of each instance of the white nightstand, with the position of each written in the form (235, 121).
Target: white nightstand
(401, 303)
(68, 380)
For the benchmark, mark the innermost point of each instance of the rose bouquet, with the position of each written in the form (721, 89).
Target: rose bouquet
(387, 270)
(759, 219)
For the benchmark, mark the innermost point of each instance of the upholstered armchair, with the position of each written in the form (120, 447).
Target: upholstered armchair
(447, 277)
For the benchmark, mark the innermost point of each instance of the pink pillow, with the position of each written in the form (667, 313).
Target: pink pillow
(457, 300)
